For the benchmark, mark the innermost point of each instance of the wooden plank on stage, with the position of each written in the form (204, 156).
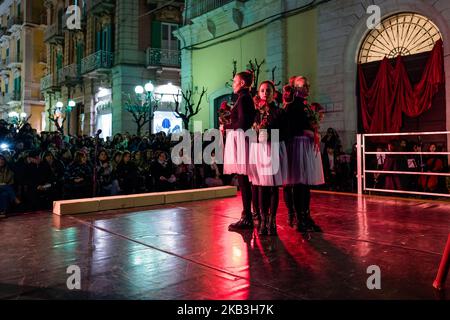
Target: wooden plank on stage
(75, 206)
(78, 206)
(150, 199)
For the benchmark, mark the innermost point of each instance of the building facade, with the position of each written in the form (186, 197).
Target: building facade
(121, 44)
(22, 59)
(322, 40)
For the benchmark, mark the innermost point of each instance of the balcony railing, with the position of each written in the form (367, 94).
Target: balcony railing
(3, 64)
(13, 96)
(14, 21)
(163, 57)
(53, 32)
(3, 31)
(99, 6)
(48, 82)
(199, 7)
(69, 73)
(13, 61)
(97, 60)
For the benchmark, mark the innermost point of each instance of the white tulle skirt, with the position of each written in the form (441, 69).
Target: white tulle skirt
(235, 158)
(268, 163)
(304, 163)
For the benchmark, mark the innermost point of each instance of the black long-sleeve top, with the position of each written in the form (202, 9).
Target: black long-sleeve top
(243, 112)
(275, 120)
(295, 119)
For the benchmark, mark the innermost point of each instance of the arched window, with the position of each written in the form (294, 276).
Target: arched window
(401, 34)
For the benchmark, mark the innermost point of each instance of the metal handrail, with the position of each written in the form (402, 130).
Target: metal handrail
(362, 171)
(406, 134)
(201, 7)
(97, 60)
(410, 153)
(163, 57)
(51, 31)
(70, 71)
(417, 173)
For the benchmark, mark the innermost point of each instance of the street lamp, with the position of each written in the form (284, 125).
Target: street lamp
(18, 120)
(149, 87)
(13, 115)
(146, 100)
(139, 89)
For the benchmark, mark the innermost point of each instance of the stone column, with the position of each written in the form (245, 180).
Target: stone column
(28, 65)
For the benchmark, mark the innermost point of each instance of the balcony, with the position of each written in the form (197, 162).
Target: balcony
(102, 6)
(3, 64)
(69, 74)
(3, 31)
(53, 34)
(163, 58)
(199, 7)
(97, 63)
(14, 63)
(49, 83)
(14, 23)
(13, 97)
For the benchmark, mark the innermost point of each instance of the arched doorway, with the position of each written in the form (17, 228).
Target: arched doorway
(412, 36)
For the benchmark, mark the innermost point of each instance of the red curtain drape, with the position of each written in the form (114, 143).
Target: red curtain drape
(392, 94)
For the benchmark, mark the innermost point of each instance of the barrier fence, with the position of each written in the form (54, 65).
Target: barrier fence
(363, 173)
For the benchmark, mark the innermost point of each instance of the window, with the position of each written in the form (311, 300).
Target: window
(402, 34)
(168, 40)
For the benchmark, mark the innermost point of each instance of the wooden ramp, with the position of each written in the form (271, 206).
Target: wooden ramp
(78, 206)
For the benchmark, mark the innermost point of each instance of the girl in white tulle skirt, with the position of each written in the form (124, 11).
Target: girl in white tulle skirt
(305, 161)
(267, 168)
(236, 146)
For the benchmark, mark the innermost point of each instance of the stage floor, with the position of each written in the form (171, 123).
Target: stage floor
(186, 252)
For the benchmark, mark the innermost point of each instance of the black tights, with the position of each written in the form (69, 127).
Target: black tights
(268, 200)
(302, 197)
(246, 194)
(255, 200)
(289, 198)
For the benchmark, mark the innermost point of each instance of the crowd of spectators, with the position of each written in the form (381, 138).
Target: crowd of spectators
(36, 169)
(414, 163)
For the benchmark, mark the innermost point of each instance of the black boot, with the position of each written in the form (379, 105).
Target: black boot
(255, 202)
(301, 223)
(310, 224)
(272, 228)
(291, 219)
(256, 218)
(246, 222)
(289, 201)
(264, 225)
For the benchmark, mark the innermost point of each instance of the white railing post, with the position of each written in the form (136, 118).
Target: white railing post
(359, 162)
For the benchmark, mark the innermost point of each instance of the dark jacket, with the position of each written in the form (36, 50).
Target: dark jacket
(127, 175)
(295, 120)
(243, 112)
(273, 120)
(51, 174)
(158, 170)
